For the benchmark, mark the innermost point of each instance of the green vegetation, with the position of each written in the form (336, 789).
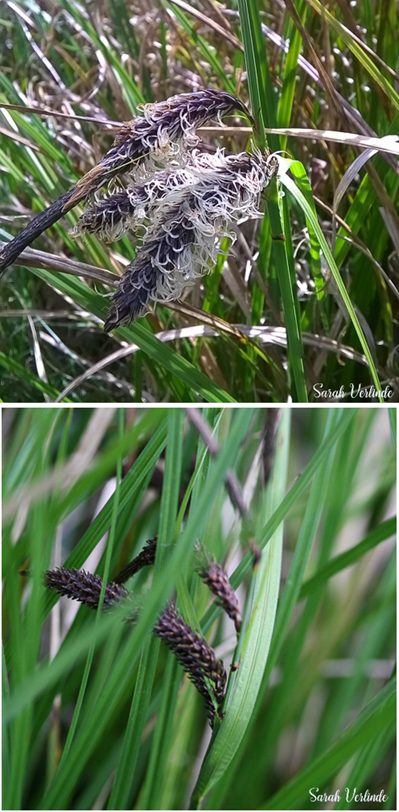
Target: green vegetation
(317, 306)
(99, 714)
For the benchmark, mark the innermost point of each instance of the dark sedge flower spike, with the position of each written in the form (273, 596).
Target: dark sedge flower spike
(197, 658)
(84, 587)
(144, 559)
(214, 576)
(152, 133)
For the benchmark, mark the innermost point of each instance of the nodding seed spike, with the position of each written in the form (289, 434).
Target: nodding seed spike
(197, 658)
(218, 582)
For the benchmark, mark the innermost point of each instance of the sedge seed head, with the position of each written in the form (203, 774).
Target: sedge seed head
(197, 658)
(83, 587)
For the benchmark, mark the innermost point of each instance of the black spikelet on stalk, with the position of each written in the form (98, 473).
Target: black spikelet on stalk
(108, 218)
(155, 128)
(84, 587)
(155, 271)
(144, 559)
(127, 209)
(218, 582)
(191, 649)
(197, 658)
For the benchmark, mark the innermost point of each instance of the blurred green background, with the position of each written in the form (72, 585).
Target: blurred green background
(97, 715)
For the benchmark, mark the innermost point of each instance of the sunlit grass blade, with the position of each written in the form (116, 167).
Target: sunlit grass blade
(295, 191)
(263, 106)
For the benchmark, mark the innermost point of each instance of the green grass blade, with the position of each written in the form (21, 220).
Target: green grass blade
(102, 715)
(257, 638)
(118, 798)
(295, 191)
(138, 334)
(377, 718)
(340, 562)
(358, 52)
(264, 111)
(142, 727)
(167, 525)
(346, 418)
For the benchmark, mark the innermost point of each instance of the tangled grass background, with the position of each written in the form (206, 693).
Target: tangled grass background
(268, 323)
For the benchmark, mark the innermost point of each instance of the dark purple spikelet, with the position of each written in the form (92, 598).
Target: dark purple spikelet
(144, 559)
(154, 272)
(84, 587)
(108, 218)
(197, 658)
(159, 125)
(218, 582)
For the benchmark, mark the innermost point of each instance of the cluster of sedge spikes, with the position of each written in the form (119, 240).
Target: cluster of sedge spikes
(178, 200)
(191, 649)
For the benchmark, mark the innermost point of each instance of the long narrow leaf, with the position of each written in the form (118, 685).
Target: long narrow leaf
(257, 639)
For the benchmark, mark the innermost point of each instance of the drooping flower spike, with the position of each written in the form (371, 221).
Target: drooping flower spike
(214, 576)
(197, 658)
(84, 587)
(155, 129)
(191, 649)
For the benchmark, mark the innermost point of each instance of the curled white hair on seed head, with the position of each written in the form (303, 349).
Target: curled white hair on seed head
(180, 211)
(225, 185)
(186, 222)
(160, 133)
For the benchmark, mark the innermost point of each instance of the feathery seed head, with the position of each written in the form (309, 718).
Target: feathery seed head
(128, 209)
(192, 209)
(160, 132)
(176, 251)
(181, 211)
